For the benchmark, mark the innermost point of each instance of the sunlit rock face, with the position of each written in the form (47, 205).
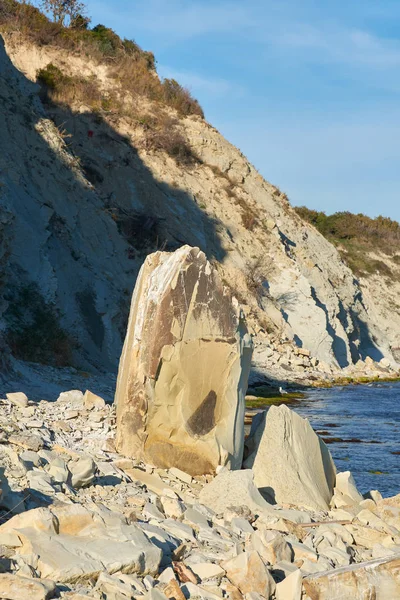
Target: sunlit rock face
(184, 367)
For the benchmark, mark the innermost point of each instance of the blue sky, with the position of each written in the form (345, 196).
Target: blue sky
(309, 90)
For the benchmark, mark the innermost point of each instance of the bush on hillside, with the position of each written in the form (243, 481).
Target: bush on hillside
(133, 67)
(355, 235)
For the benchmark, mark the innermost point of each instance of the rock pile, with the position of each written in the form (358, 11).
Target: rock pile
(80, 522)
(184, 367)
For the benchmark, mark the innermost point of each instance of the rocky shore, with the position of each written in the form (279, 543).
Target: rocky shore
(81, 522)
(161, 495)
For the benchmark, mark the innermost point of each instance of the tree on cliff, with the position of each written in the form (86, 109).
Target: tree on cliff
(64, 10)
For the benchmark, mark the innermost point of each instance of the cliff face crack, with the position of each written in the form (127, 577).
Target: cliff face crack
(202, 420)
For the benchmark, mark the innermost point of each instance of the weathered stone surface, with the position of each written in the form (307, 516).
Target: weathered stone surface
(234, 488)
(291, 463)
(290, 587)
(13, 587)
(82, 472)
(378, 579)
(74, 544)
(91, 401)
(184, 367)
(347, 486)
(248, 572)
(18, 399)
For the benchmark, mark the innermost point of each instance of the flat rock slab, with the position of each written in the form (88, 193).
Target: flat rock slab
(74, 544)
(377, 579)
(184, 367)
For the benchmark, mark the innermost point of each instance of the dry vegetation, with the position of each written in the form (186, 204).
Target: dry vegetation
(357, 235)
(131, 66)
(132, 69)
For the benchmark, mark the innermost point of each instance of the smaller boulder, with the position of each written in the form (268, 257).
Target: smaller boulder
(19, 399)
(92, 401)
(347, 486)
(291, 464)
(248, 573)
(233, 488)
(82, 472)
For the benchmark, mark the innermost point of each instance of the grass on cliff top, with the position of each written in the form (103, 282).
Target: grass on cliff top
(355, 236)
(133, 68)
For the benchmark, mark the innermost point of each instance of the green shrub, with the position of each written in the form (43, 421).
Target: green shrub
(51, 77)
(356, 235)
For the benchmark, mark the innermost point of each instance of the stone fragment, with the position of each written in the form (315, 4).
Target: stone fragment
(72, 397)
(184, 367)
(241, 526)
(172, 507)
(291, 463)
(14, 587)
(173, 591)
(29, 441)
(184, 573)
(185, 477)
(151, 481)
(234, 488)
(82, 472)
(206, 571)
(272, 546)
(378, 579)
(290, 587)
(347, 486)
(112, 587)
(91, 401)
(248, 572)
(18, 399)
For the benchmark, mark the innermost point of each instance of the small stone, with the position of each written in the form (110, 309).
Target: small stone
(19, 399)
(150, 511)
(167, 575)
(184, 573)
(346, 485)
(29, 441)
(290, 588)
(172, 507)
(241, 526)
(91, 401)
(82, 472)
(248, 572)
(173, 591)
(13, 587)
(185, 477)
(206, 571)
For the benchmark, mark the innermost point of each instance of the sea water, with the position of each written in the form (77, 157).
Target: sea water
(361, 425)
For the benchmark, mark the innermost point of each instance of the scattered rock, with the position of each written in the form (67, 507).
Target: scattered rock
(91, 401)
(14, 587)
(234, 488)
(82, 472)
(18, 399)
(248, 572)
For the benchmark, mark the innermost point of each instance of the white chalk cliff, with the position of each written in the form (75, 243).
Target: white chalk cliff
(61, 234)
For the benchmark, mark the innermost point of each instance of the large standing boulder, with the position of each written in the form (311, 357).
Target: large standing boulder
(184, 367)
(291, 464)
